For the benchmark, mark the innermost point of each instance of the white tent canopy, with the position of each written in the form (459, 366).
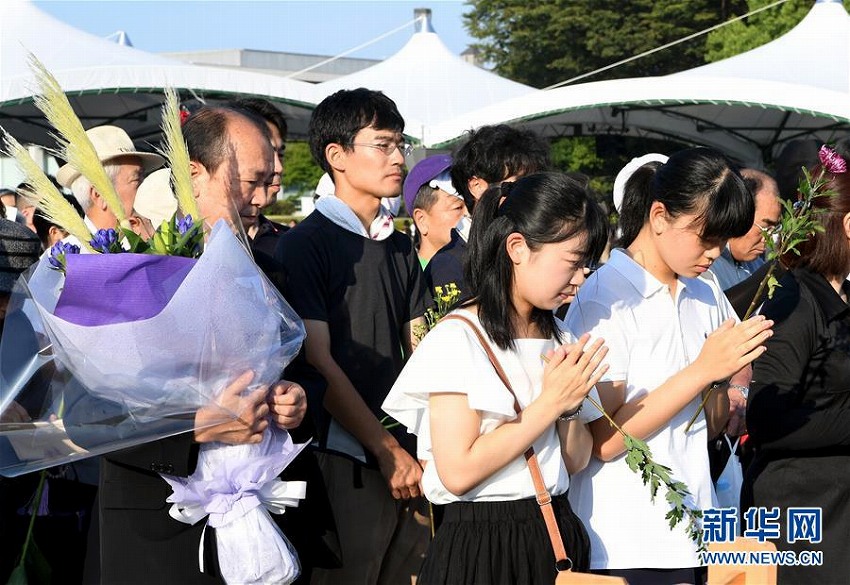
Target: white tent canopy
(815, 53)
(428, 82)
(749, 105)
(112, 83)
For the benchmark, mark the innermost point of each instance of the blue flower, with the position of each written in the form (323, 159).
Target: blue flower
(185, 224)
(104, 240)
(58, 252)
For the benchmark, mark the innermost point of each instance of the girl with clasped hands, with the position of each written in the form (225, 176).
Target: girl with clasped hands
(671, 340)
(528, 250)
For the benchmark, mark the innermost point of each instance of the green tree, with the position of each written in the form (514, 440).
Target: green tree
(754, 31)
(542, 43)
(579, 155)
(300, 171)
(286, 206)
(600, 158)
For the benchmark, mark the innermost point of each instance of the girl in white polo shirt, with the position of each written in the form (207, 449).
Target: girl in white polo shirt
(527, 251)
(669, 340)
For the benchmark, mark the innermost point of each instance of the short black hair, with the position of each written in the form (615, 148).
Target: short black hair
(42, 225)
(425, 198)
(264, 109)
(340, 116)
(494, 153)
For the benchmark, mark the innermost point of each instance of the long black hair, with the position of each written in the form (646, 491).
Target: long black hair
(695, 180)
(544, 208)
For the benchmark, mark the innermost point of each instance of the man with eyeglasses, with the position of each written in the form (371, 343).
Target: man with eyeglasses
(357, 283)
(744, 256)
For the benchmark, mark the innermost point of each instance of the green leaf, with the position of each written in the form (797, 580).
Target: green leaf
(137, 244)
(634, 459)
(18, 576)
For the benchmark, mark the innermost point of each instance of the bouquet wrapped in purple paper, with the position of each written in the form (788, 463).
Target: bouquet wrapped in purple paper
(149, 340)
(113, 340)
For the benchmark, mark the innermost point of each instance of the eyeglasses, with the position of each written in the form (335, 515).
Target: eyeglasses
(768, 228)
(388, 148)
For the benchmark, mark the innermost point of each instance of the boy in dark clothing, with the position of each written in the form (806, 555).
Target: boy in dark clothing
(357, 284)
(490, 155)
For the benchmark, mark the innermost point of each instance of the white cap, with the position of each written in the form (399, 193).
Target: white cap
(155, 200)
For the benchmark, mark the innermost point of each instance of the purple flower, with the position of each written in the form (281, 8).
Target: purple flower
(832, 161)
(104, 240)
(185, 224)
(58, 252)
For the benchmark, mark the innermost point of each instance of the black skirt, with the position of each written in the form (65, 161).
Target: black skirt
(491, 543)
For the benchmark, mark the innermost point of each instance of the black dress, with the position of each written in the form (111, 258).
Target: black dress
(799, 421)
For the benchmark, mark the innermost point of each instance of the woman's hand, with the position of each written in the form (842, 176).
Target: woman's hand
(731, 347)
(571, 371)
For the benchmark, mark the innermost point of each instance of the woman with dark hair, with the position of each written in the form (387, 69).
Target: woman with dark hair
(799, 408)
(670, 339)
(528, 250)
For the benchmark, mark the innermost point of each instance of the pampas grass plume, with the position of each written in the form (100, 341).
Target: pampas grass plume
(174, 150)
(74, 144)
(44, 194)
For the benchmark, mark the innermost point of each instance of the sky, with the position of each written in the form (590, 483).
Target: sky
(296, 26)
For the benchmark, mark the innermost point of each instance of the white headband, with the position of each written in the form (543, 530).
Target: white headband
(627, 171)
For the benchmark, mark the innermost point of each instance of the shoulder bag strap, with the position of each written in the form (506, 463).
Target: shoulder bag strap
(544, 499)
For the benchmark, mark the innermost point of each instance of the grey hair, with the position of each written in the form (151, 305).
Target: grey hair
(80, 186)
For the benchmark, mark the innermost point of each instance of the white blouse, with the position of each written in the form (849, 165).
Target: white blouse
(450, 359)
(650, 336)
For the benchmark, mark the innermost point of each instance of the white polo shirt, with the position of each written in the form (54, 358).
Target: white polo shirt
(650, 335)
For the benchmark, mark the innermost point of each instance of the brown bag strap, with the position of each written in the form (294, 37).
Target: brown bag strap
(544, 499)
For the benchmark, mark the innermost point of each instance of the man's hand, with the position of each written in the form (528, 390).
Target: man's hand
(15, 413)
(249, 408)
(288, 404)
(402, 472)
(737, 424)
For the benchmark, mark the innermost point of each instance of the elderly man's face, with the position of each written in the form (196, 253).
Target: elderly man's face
(127, 180)
(240, 184)
(768, 211)
(277, 145)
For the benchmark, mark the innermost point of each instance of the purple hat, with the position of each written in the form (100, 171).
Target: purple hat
(434, 170)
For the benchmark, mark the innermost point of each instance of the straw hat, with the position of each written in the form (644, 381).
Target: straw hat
(110, 142)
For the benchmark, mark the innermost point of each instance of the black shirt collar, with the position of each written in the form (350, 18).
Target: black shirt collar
(828, 300)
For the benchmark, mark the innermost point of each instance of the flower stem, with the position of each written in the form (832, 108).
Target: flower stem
(754, 303)
(610, 420)
(750, 310)
(33, 513)
(639, 459)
